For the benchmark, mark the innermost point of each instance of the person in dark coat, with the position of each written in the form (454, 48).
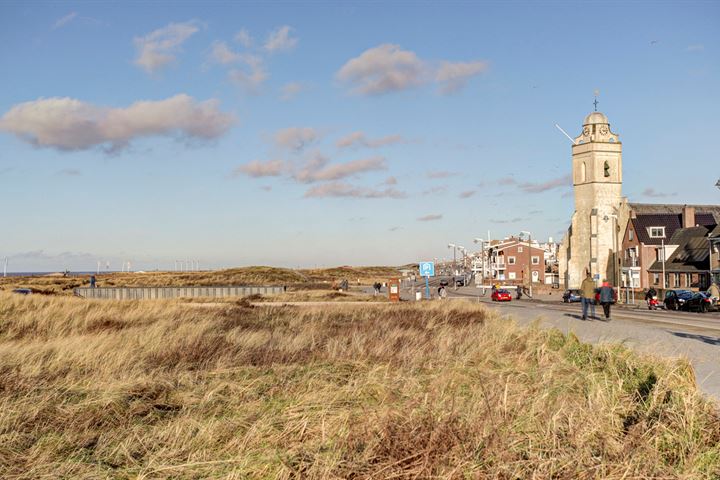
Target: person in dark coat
(92, 281)
(607, 298)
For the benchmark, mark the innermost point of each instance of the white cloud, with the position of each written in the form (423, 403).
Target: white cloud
(340, 189)
(429, 218)
(61, 22)
(561, 182)
(383, 69)
(388, 68)
(253, 76)
(279, 39)
(70, 124)
(243, 38)
(651, 192)
(696, 48)
(295, 138)
(467, 194)
(356, 139)
(223, 55)
(158, 48)
(257, 169)
(453, 76)
(390, 181)
(341, 170)
(290, 90)
(440, 174)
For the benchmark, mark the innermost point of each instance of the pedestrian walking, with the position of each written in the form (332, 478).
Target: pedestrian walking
(92, 281)
(519, 292)
(587, 296)
(607, 298)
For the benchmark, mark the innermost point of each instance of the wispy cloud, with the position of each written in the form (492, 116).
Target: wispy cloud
(435, 190)
(696, 48)
(390, 181)
(511, 220)
(341, 170)
(157, 49)
(280, 39)
(430, 218)
(221, 53)
(506, 181)
(243, 38)
(560, 182)
(394, 229)
(257, 169)
(359, 139)
(62, 21)
(251, 75)
(290, 91)
(454, 76)
(467, 194)
(266, 188)
(650, 192)
(388, 68)
(295, 138)
(440, 174)
(70, 172)
(70, 124)
(339, 189)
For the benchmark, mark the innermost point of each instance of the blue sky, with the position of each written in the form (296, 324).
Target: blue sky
(327, 133)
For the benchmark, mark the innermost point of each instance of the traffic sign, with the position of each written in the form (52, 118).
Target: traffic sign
(427, 269)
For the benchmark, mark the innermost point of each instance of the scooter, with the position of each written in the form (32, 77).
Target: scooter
(652, 303)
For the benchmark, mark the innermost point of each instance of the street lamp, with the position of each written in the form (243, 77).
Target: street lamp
(454, 247)
(616, 278)
(482, 258)
(529, 235)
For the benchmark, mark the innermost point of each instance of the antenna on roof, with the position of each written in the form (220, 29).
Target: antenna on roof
(565, 133)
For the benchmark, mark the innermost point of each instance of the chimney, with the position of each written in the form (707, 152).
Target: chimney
(688, 217)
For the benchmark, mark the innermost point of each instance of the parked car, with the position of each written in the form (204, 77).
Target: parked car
(22, 291)
(571, 296)
(675, 299)
(699, 302)
(459, 281)
(501, 295)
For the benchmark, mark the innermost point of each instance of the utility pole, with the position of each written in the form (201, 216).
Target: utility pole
(662, 251)
(5, 267)
(529, 235)
(454, 247)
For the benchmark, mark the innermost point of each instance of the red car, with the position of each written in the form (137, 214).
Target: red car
(501, 295)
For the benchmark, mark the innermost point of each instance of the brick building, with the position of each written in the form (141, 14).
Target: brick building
(509, 261)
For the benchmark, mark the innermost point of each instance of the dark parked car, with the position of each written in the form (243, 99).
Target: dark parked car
(699, 302)
(23, 291)
(460, 281)
(675, 299)
(571, 296)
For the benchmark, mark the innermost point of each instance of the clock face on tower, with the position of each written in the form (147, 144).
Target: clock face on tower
(586, 131)
(604, 130)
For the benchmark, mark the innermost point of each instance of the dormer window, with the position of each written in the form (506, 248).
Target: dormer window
(656, 232)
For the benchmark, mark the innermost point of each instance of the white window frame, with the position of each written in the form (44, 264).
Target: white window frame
(660, 230)
(656, 279)
(631, 235)
(511, 275)
(520, 249)
(535, 260)
(510, 260)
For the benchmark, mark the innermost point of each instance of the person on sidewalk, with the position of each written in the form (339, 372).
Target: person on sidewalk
(607, 298)
(587, 296)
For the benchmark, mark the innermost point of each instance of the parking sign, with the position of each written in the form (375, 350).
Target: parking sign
(427, 269)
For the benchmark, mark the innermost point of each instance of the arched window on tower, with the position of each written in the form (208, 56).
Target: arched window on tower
(582, 173)
(606, 167)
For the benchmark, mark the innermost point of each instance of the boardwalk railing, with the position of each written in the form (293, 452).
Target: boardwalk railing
(146, 293)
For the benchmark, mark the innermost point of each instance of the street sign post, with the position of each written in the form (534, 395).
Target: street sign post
(427, 270)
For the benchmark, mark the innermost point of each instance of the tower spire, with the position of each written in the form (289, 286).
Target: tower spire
(596, 100)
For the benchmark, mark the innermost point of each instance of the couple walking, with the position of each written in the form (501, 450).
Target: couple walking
(588, 291)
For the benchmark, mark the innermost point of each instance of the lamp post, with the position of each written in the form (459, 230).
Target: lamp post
(482, 258)
(529, 235)
(454, 247)
(616, 277)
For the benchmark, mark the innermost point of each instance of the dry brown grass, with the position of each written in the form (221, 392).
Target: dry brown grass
(162, 390)
(298, 279)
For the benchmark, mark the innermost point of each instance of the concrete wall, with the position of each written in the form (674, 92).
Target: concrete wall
(147, 293)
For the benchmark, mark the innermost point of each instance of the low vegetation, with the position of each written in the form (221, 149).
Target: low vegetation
(96, 389)
(57, 284)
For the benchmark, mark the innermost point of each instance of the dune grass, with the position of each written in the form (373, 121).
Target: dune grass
(96, 389)
(298, 279)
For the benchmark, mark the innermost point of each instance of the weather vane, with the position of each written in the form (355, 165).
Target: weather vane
(597, 92)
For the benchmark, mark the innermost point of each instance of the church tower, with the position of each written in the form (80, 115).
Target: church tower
(592, 240)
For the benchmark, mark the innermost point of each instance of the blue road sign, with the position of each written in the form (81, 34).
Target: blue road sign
(427, 269)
